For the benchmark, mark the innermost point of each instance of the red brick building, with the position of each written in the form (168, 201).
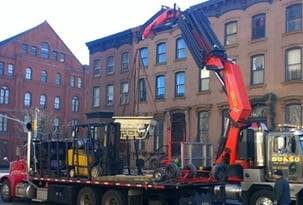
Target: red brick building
(263, 36)
(38, 71)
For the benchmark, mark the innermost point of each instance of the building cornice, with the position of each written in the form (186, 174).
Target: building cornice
(112, 41)
(216, 8)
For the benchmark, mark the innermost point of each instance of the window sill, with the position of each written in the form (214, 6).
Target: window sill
(257, 86)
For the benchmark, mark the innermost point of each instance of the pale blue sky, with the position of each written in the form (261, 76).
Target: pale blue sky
(79, 21)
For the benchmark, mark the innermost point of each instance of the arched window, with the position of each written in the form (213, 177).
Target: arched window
(4, 95)
(56, 123)
(44, 50)
(75, 104)
(57, 103)
(27, 99)
(58, 79)
(43, 101)
(43, 76)
(28, 73)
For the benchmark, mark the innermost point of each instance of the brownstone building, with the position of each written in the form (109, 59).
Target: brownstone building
(264, 37)
(39, 74)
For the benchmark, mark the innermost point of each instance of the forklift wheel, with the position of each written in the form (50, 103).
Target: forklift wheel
(96, 171)
(191, 169)
(159, 175)
(172, 170)
(72, 173)
(219, 172)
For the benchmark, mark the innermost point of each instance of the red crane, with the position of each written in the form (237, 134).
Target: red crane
(209, 54)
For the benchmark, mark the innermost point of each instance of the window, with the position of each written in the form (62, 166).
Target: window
(158, 135)
(56, 124)
(34, 51)
(144, 57)
(79, 83)
(43, 101)
(43, 76)
(231, 31)
(294, 18)
(3, 148)
(257, 69)
(44, 50)
(10, 70)
(258, 112)
(96, 97)
(258, 26)
(75, 104)
(180, 48)
(204, 80)
(24, 48)
(109, 95)
(97, 68)
(293, 64)
(142, 90)
(3, 122)
(72, 81)
(4, 95)
(1, 68)
(179, 84)
(124, 93)
(124, 61)
(27, 99)
(293, 114)
(62, 57)
(203, 126)
(74, 122)
(224, 120)
(28, 73)
(58, 79)
(160, 87)
(161, 53)
(57, 103)
(110, 65)
(55, 55)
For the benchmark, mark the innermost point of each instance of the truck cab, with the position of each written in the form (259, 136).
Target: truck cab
(284, 150)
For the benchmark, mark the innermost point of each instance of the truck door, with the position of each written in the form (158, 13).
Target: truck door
(285, 154)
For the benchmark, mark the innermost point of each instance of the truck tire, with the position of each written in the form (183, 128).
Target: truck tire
(6, 191)
(264, 197)
(87, 196)
(114, 197)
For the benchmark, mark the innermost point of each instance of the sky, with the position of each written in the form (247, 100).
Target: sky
(77, 21)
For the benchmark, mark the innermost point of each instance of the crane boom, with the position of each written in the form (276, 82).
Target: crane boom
(208, 53)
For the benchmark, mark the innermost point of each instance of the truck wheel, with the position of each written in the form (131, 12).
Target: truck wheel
(87, 196)
(6, 191)
(114, 197)
(264, 197)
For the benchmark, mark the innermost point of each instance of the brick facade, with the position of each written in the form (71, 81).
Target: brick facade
(27, 77)
(269, 99)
